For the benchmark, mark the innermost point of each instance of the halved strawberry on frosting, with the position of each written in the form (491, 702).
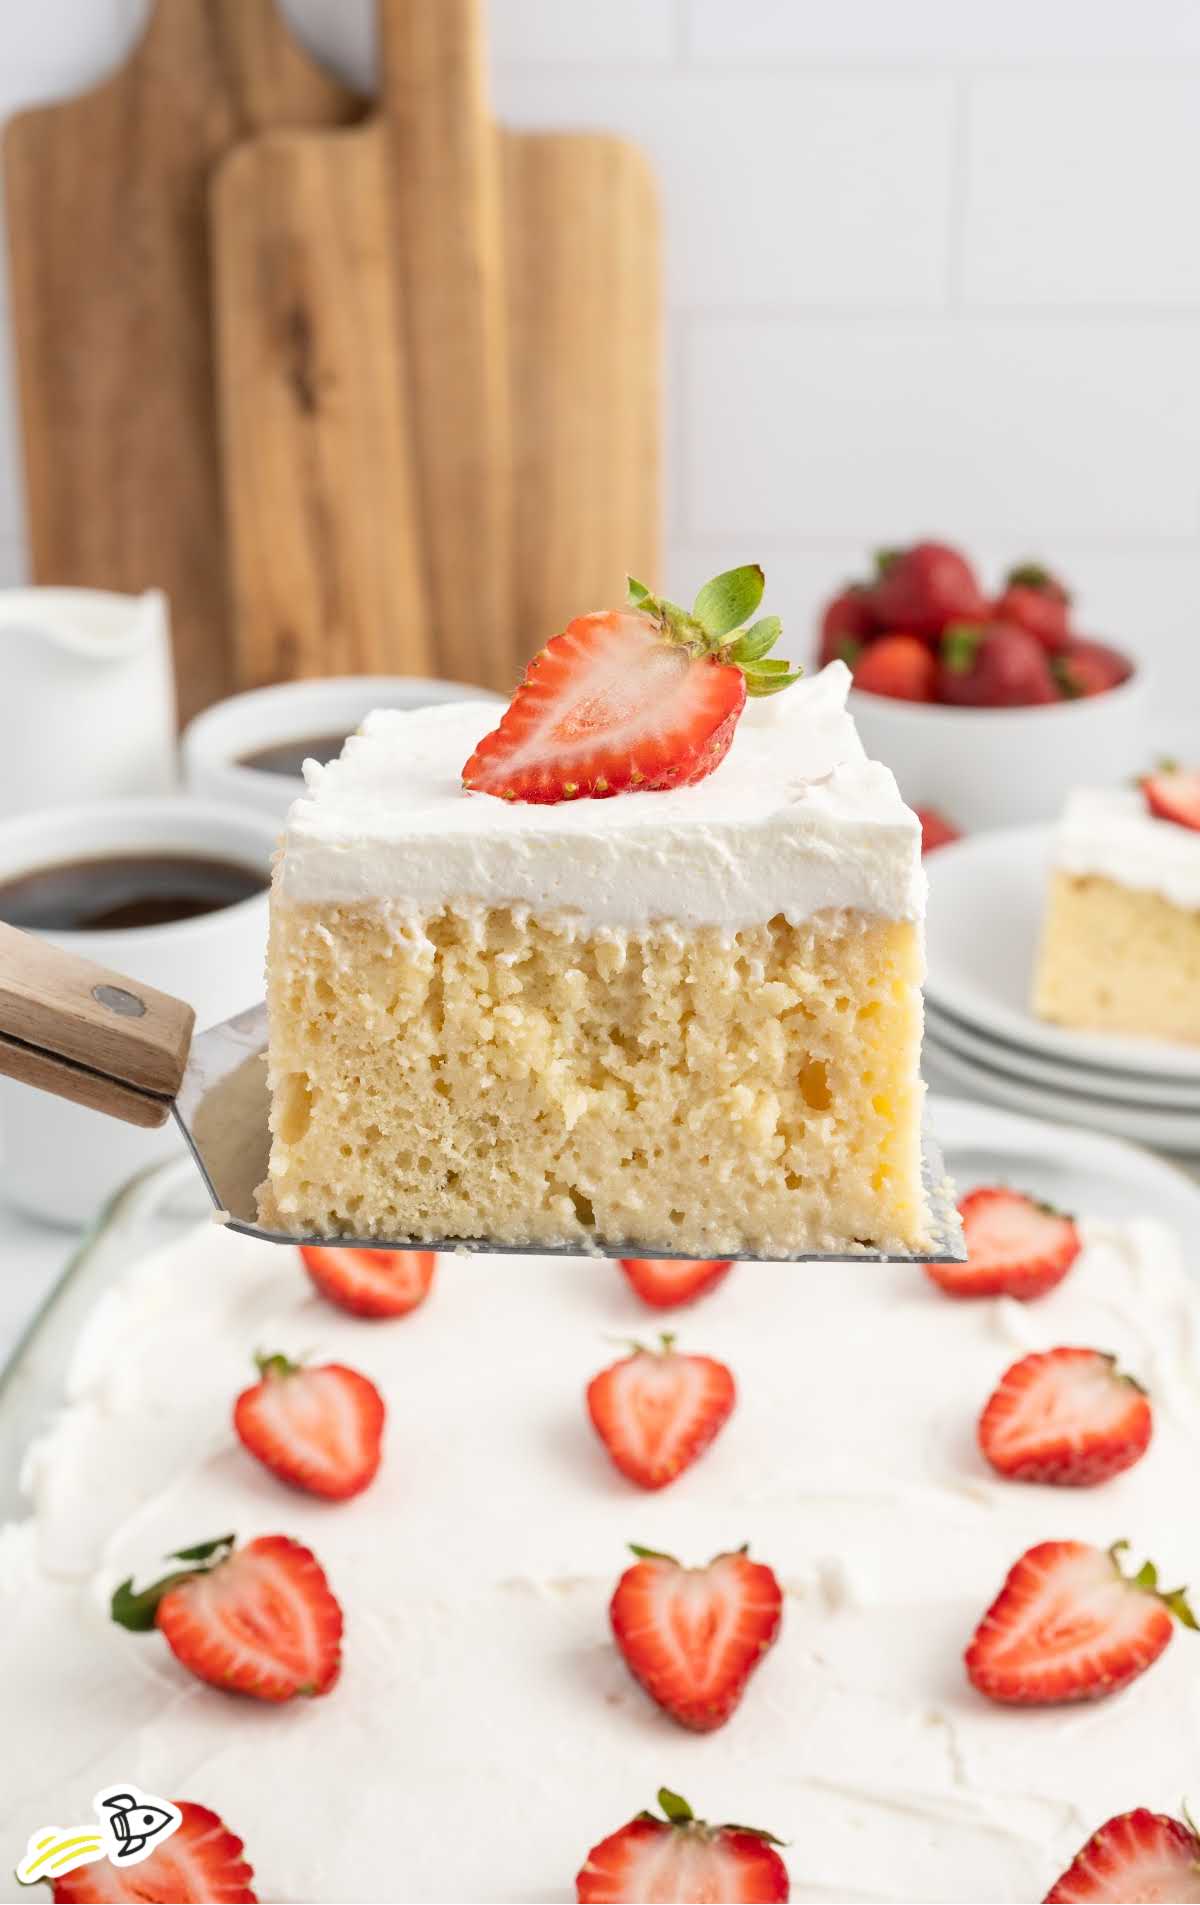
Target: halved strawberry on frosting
(640, 699)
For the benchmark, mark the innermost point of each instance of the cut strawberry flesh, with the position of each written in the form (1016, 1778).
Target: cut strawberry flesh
(1175, 797)
(609, 706)
(1065, 1416)
(659, 1864)
(693, 1636)
(202, 1860)
(657, 1413)
(1140, 1856)
(321, 1427)
(664, 1282)
(1066, 1626)
(370, 1282)
(263, 1622)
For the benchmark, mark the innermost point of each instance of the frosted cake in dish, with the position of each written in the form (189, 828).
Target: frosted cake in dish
(1120, 949)
(485, 1731)
(686, 1018)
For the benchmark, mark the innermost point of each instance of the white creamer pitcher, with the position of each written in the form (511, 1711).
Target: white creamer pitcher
(87, 701)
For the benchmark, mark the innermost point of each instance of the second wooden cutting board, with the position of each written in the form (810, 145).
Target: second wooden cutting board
(441, 439)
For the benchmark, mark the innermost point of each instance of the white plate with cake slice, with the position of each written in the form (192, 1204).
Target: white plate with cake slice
(1088, 1081)
(987, 896)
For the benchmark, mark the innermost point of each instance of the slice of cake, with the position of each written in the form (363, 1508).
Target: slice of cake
(567, 1009)
(1120, 947)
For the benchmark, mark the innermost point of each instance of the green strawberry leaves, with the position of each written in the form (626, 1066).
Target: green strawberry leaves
(677, 1812)
(138, 1610)
(721, 609)
(729, 599)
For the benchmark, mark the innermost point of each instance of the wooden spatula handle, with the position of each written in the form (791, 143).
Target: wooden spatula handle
(88, 1034)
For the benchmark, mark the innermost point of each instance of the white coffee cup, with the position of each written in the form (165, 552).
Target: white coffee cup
(216, 743)
(58, 1161)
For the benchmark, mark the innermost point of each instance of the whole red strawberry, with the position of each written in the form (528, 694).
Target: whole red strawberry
(1082, 668)
(994, 666)
(936, 830)
(897, 665)
(1069, 1624)
(200, 1864)
(924, 588)
(846, 623)
(1138, 1858)
(636, 701)
(259, 1620)
(657, 1411)
(692, 1637)
(679, 1860)
(370, 1282)
(1065, 1416)
(667, 1283)
(1016, 1246)
(1173, 793)
(1036, 601)
(319, 1429)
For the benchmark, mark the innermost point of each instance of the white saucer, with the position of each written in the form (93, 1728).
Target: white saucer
(1086, 1081)
(987, 895)
(1164, 1130)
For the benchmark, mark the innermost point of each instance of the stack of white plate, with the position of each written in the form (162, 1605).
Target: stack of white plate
(987, 896)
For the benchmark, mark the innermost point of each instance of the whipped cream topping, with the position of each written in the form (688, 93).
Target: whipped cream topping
(794, 820)
(485, 1732)
(1110, 832)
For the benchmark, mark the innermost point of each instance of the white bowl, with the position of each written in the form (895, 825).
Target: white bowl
(1007, 767)
(216, 742)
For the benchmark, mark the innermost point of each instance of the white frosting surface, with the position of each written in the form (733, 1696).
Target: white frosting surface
(1110, 832)
(485, 1733)
(794, 820)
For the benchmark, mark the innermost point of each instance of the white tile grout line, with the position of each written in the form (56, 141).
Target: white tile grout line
(1115, 314)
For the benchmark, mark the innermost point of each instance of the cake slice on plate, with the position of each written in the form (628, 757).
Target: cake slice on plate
(645, 970)
(1120, 947)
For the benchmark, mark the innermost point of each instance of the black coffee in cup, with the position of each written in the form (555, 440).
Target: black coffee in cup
(117, 891)
(288, 757)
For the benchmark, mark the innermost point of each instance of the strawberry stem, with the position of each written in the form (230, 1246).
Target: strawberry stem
(275, 1364)
(651, 1554)
(1146, 1581)
(711, 628)
(676, 1812)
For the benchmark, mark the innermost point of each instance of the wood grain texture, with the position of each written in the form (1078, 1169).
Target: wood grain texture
(108, 244)
(324, 538)
(447, 225)
(585, 320)
(89, 1089)
(59, 1012)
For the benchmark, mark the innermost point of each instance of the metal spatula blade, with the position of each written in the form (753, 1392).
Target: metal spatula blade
(221, 1108)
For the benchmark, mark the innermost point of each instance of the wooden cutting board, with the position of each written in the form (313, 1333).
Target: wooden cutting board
(108, 246)
(505, 342)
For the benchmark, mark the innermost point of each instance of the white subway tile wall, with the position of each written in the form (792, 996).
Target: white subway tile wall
(931, 268)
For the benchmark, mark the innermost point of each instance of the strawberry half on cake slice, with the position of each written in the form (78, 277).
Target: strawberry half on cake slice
(641, 698)
(605, 969)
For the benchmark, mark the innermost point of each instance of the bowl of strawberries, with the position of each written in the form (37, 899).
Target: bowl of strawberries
(988, 708)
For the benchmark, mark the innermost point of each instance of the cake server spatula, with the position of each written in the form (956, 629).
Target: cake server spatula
(116, 1046)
